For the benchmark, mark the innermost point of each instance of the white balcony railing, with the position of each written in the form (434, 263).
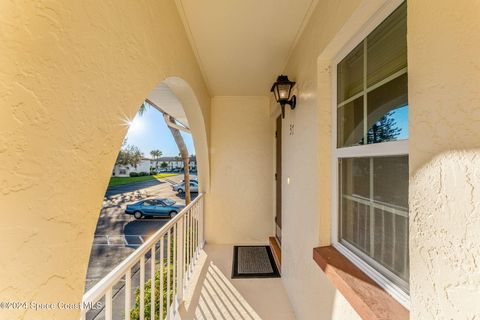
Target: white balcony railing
(170, 256)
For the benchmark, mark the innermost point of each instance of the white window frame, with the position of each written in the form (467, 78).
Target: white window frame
(392, 148)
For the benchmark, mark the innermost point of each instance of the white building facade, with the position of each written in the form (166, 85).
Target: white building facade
(148, 165)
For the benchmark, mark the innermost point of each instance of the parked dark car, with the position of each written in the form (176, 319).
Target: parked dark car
(154, 207)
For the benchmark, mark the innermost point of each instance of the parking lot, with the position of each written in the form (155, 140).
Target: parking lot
(118, 234)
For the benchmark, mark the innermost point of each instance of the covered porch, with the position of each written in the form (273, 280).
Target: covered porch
(213, 294)
(193, 280)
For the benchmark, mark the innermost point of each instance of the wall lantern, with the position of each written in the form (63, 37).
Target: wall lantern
(282, 88)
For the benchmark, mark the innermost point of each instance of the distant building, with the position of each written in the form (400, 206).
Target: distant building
(147, 165)
(174, 163)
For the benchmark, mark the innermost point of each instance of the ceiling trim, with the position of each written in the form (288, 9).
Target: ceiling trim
(188, 31)
(183, 15)
(305, 20)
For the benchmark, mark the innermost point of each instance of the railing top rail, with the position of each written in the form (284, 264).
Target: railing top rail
(98, 291)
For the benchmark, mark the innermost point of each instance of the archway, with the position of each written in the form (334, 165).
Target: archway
(117, 234)
(193, 113)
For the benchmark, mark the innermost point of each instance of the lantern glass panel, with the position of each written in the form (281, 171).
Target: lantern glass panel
(275, 92)
(284, 91)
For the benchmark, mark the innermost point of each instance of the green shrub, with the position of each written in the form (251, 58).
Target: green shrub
(143, 174)
(135, 312)
(153, 172)
(133, 174)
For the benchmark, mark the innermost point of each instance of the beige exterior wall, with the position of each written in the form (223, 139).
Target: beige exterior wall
(306, 162)
(239, 207)
(444, 97)
(71, 71)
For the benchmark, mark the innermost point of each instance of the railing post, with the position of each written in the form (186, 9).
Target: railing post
(128, 293)
(152, 283)
(180, 261)
(201, 239)
(108, 305)
(142, 287)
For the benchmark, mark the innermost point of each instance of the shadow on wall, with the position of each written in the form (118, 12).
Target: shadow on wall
(444, 239)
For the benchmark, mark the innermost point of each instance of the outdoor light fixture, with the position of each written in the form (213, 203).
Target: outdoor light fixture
(282, 88)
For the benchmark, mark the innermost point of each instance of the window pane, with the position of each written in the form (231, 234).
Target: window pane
(350, 124)
(355, 177)
(387, 111)
(350, 74)
(374, 212)
(390, 181)
(391, 243)
(387, 47)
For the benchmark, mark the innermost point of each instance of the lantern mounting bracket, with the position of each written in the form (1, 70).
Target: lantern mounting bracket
(292, 103)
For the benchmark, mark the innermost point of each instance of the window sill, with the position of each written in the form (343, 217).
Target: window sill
(367, 298)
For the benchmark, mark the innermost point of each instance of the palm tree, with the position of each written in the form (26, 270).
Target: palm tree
(156, 154)
(180, 145)
(184, 154)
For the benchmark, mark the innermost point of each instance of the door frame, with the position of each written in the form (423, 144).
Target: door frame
(278, 179)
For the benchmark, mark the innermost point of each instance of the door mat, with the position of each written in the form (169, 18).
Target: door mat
(253, 262)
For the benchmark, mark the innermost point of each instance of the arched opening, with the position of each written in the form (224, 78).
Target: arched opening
(172, 98)
(193, 114)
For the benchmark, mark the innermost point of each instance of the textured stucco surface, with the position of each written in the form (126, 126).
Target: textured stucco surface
(70, 71)
(444, 97)
(240, 202)
(306, 162)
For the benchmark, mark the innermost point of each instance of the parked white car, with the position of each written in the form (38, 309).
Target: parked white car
(181, 187)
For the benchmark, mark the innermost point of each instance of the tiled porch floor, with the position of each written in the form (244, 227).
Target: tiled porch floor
(214, 295)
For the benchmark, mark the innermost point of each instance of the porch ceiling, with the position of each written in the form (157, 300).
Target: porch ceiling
(242, 46)
(165, 99)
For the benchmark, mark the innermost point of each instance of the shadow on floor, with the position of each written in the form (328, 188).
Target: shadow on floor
(212, 294)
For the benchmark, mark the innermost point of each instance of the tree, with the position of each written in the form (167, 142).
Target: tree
(129, 155)
(164, 165)
(193, 160)
(135, 155)
(177, 136)
(180, 145)
(156, 154)
(384, 129)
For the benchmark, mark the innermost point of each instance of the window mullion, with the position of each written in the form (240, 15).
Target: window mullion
(372, 212)
(365, 113)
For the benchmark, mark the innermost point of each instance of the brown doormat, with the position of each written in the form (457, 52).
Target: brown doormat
(253, 262)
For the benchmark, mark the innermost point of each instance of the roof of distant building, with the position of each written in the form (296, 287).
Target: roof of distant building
(166, 159)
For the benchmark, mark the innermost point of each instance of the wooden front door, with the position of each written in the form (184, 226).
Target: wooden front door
(278, 178)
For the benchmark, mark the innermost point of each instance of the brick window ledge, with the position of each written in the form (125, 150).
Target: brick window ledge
(367, 298)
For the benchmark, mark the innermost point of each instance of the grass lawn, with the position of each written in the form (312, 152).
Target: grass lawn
(116, 181)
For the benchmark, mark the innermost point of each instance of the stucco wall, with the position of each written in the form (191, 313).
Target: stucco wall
(71, 71)
(444, 97)
(444, 122)
(239, 209)
(307, 159)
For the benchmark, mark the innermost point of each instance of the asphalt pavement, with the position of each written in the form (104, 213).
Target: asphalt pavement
(131, 187)
(117, 234)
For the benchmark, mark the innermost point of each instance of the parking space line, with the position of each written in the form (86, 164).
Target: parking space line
(119, 240)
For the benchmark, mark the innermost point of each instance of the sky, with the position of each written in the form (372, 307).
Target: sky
(401, 117)
(149, 132)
